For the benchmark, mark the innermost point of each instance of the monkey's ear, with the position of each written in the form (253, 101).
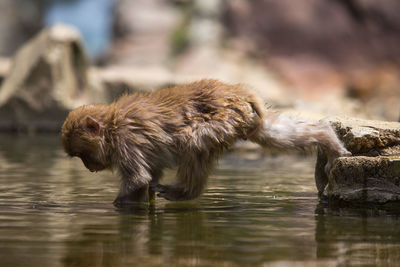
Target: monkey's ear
(92, 126)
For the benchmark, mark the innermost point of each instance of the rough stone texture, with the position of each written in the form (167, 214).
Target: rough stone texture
(365, 179)
(372, 174)
(48, 76)
(368, 137)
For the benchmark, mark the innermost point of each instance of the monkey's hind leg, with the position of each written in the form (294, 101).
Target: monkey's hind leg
(285, 132)
(192, 174)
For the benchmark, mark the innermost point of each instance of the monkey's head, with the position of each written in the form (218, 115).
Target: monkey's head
(83, 136)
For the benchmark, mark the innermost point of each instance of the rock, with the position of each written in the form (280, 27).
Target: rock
(372, 174)
(365, 179)
(48, 76)
(4, 67)
(367, 137)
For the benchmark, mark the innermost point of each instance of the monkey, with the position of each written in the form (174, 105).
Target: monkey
(185, 126)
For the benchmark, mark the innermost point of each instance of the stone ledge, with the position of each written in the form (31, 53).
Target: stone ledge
(372, 174)
(369, 137)
(365, 179)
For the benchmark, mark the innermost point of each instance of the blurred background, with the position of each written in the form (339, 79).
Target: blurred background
(332, 57)
(317, 57)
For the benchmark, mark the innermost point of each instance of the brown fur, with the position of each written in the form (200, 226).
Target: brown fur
(186, 126)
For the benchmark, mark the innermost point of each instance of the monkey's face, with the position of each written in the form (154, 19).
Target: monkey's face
(90, 152)
(92, 164)
(84, 139)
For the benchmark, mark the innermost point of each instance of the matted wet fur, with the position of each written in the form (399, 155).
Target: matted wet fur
(187, 126)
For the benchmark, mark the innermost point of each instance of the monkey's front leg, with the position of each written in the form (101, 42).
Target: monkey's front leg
(134, 187)
(137, 194)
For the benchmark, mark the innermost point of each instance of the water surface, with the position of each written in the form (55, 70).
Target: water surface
(258, 209)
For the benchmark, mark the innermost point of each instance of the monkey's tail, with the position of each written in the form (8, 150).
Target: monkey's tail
(285, 132)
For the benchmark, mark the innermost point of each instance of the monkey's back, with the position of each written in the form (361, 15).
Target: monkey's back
(204, 111)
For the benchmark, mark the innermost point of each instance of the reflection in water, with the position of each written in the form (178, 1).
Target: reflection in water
(362, 236)
(256, 210)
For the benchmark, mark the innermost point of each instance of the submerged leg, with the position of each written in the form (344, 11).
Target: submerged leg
(138, 194)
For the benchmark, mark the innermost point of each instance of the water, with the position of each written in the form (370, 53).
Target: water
(257, 210)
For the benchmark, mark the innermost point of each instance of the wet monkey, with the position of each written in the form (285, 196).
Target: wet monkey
(187, 127)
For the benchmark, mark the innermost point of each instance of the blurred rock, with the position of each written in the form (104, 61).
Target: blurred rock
(372, 174)
(4, 68)
(48, 76)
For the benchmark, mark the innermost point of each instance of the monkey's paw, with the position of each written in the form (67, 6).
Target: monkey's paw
(345, 153)
(170, 192)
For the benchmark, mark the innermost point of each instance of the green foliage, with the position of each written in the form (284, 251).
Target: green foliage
(179, 39)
